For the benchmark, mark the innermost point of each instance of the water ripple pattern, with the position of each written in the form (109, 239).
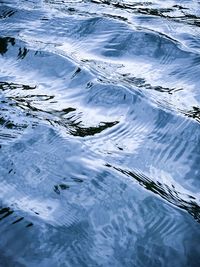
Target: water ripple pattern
(99, 133)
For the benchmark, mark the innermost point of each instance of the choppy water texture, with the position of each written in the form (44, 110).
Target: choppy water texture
(99, 133)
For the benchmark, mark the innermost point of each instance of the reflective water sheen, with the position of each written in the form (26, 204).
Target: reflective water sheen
(99, 133)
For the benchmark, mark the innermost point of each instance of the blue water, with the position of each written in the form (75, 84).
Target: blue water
(99, 133)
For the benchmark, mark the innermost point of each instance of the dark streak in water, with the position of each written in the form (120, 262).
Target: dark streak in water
(169, 194)
(18, 220)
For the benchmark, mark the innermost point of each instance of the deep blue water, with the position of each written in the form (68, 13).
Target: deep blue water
(99, 133)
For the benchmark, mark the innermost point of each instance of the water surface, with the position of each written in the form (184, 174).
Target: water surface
(99, 133)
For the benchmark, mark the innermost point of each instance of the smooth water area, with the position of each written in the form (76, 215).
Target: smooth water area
(99, 133)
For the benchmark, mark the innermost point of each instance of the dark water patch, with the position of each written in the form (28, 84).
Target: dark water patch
(4, 42)
(194, 113)
(12, 86)
(60, 187)
(90, 131)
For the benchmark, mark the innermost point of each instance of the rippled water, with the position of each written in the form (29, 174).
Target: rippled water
(99, 133)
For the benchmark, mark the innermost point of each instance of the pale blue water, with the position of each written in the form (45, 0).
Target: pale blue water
(99, 133)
